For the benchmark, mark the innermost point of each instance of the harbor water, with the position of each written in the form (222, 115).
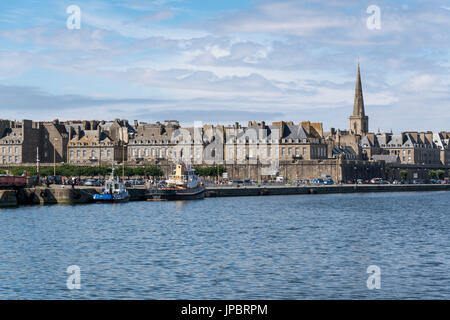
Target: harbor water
(277, 247)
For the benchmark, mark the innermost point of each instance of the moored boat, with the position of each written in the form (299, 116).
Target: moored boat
(114, 191)
(183, 185)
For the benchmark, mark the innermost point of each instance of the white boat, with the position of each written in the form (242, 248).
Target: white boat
(184, 184)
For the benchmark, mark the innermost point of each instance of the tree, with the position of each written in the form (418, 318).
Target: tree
(403, 174)
(213, 171)
(432, 174)
(440, 174)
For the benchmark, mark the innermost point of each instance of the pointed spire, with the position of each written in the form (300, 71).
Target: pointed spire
(358, 107)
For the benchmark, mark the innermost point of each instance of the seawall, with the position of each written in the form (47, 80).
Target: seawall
(8, 198)
(284, 190)
(29, 196)
(43, 196)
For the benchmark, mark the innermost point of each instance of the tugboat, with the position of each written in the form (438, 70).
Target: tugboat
(113, 192)
(183, 185)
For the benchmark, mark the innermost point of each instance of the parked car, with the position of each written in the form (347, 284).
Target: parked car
(280, 179)
(235, 182)
(328, 182)
(318, 181)
(91, 182)
(376, 181)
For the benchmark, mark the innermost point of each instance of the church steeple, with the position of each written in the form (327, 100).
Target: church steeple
(359, 122)
(358, 106)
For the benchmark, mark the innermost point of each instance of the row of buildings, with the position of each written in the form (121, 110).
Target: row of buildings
(285, 142)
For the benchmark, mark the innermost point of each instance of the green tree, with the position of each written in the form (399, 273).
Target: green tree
(154, 171)
(440, 174)
(403, 174)
(210, 171)
(432, 174)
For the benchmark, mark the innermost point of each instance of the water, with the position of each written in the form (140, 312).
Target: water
(279, 247)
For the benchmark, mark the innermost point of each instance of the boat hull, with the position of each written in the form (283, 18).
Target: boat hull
(175, 194)
(107, 198)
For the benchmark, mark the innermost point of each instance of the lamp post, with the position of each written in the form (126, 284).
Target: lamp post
(38, 171)
(123, 160)
(54, 156)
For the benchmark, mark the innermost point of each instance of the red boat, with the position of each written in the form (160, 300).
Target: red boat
(12, 182)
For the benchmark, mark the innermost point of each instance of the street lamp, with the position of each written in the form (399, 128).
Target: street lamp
(54, 156)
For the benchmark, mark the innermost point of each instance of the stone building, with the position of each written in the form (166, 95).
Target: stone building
(53, 144)
(209, 145)
(283, 141)
(90, 143)
(151, 143)
(442, 141)
(20, 141)
(409, 147)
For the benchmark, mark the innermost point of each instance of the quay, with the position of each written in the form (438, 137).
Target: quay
(78, 195)
(225, 191)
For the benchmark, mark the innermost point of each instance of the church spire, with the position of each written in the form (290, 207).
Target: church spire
(358, 106)
(359, 122)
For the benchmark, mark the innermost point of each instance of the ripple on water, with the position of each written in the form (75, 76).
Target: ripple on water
(278, 247)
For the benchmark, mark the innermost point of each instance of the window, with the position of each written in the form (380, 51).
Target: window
(108, 153)
(78, 153)
(84, 153)
(16, 150)
(297, 152)
(304, 150)
(283, 151)
(289, 151)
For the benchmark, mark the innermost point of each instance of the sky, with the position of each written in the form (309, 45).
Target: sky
(223, 61)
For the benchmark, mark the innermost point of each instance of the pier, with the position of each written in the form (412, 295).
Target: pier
(79, 195)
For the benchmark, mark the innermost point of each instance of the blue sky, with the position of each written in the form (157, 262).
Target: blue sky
(220, 61)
